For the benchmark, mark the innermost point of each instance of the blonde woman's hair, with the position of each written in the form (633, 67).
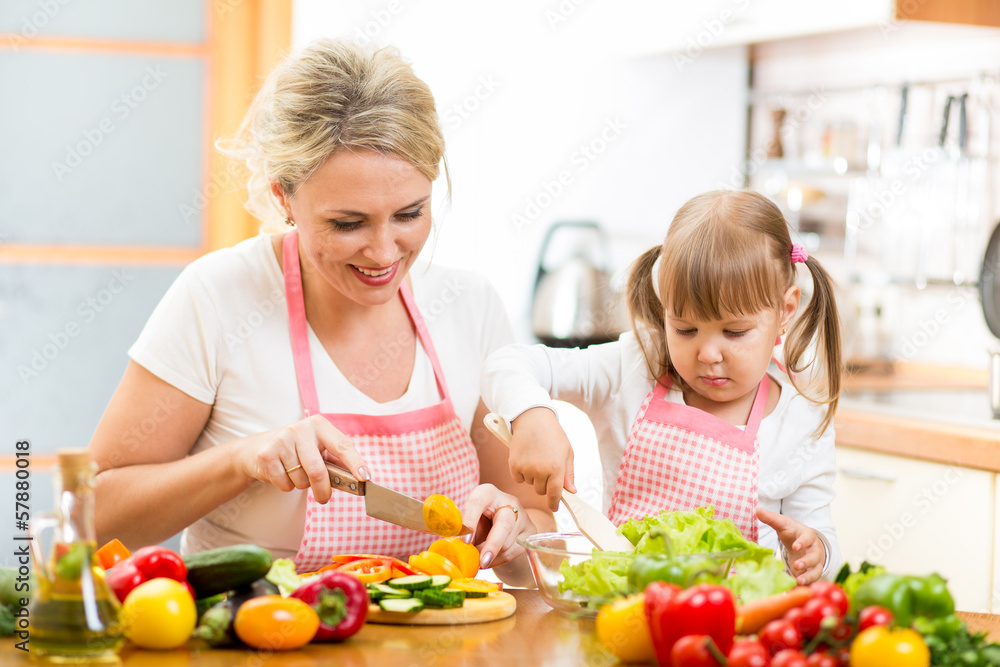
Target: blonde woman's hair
(729, 252)
(333, 95)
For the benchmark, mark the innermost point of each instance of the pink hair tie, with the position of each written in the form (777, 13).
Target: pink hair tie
(799, 253)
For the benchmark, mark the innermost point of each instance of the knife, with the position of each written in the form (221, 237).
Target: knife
(592, 523)
(382, 503)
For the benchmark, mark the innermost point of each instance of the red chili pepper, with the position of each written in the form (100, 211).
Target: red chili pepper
(341, 601)
(145, 564)
(704, 609)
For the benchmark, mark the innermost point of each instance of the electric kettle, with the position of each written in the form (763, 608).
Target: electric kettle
(574, 304)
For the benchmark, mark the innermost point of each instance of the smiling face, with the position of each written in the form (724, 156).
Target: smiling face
(723, 360)
(363, 218)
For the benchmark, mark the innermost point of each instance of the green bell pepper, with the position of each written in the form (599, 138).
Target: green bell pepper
(907, 597)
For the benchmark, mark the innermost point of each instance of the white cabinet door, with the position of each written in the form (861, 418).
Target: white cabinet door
(917, 517)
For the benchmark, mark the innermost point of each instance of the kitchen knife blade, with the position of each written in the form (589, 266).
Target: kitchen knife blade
(592, 523)
(382, 503)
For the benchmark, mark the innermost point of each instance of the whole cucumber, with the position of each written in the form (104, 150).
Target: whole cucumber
(12, 590)
(226, 568)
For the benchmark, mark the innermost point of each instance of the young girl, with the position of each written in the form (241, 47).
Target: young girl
(685, 412)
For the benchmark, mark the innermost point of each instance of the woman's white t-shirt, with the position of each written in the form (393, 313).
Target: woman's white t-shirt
(609, 383)
(220, 335)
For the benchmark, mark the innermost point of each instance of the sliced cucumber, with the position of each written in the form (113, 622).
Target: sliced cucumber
(389, 591)
(469, 595)
(411, 583)
(403, 605)
(440, 599)
(439, 581)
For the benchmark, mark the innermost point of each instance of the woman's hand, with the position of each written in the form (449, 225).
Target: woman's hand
(806, 552)
(295, 456)
(498, 519)
(541, 455)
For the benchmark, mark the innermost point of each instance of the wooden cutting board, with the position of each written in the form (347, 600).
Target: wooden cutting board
(493, 607)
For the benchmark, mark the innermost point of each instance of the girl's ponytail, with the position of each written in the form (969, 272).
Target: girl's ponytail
(819, 320)
(645, 308)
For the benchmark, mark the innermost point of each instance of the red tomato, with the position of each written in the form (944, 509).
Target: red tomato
(813, 613)
(833, 593)
(822, 660)
(842, 631)
(748, 653)
(873, 615)
(693, 651)
(779, 635)
(789, 658)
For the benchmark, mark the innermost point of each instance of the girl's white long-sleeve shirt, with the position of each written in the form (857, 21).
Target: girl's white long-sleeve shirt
(609, 383)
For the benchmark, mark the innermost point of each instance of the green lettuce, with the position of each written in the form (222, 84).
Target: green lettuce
(605, 573)
(752, 580)
(282, 574)
(671, 534)
(691, 532)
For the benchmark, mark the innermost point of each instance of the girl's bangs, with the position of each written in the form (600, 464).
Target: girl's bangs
(711, 285)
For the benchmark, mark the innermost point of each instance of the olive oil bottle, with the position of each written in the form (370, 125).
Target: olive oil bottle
(73, 615)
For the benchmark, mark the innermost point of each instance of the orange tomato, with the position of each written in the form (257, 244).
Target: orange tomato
(429, 562)
(112, 553)
(368, 570)
(275, 623)
(441, 515)
(464, 556)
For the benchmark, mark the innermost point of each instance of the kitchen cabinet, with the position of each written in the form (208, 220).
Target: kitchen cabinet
(916, 516)
(689, 28)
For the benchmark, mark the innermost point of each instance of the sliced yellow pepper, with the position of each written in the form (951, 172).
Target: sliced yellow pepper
(429, 562)
(464, 556)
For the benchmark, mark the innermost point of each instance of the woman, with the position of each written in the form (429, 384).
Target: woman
(267, 360)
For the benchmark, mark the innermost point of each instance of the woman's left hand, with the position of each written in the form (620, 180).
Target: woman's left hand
(497, 519)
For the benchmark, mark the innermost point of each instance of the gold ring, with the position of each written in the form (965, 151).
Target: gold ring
(293, 469)
(510, 507)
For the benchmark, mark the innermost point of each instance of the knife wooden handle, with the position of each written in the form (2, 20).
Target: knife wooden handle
(343, 480)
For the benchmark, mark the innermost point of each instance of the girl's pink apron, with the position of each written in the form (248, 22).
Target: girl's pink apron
(679, 458)
(417, 453)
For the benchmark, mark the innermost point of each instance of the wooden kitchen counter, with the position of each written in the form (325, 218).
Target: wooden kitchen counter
(535, 635)
(934, 437)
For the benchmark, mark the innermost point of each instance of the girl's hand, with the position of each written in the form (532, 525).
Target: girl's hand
(540, 454)
(295, 456)
(806, 552)
(498, 519)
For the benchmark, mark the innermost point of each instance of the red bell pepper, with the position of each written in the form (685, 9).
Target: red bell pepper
(340, 600)
(145, 564)
(673, 613)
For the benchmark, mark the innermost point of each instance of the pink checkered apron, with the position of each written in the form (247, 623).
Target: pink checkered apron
(417, 453)
(679, 458)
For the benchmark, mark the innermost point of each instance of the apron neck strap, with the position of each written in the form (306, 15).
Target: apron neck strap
(298, 327)
(756, 411)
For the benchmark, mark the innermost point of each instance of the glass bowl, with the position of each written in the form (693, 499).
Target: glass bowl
(548, 551)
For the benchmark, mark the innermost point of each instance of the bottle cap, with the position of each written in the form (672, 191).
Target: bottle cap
(73, 463)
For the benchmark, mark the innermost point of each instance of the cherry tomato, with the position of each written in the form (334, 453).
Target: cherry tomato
(874, 615)
(842, 631)
(779, 635)
(748, 653)
(275, 623)
(693, 651)
(833, 593)
(813, 613)
(789, 658)
(794, 616)
(822, 660)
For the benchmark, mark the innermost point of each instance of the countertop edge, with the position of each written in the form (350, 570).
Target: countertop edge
(954, 444)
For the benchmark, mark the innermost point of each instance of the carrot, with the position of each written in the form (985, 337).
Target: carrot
(753, 616)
